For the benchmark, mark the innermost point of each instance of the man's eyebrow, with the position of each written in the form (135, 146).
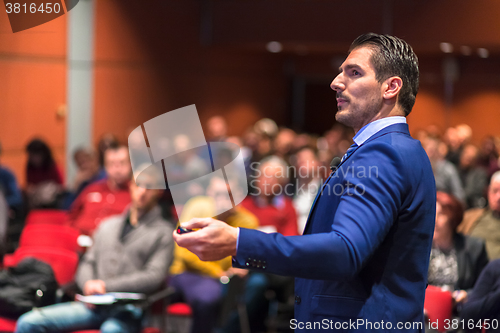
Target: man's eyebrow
(347, 67)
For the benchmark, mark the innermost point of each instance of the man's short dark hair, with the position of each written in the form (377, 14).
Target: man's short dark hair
(393, 57)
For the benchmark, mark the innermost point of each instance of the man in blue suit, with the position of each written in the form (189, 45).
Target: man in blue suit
(361, 265)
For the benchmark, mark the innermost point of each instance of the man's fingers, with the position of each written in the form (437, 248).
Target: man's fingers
(197, 223)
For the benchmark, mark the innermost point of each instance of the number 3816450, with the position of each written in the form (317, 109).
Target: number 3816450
(27, 8)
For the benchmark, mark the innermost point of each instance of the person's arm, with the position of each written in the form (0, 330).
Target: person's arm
(484, 300)
(456, 186)
(87, 268)
(482, 261)
(13, 194)
(153, 274)
(77, 206)
(359, 225)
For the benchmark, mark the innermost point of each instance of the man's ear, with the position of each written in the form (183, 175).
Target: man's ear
(392, 87)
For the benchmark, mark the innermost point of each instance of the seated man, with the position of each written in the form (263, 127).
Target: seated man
(484, 223)
(88, 172)
(275, 213)
(482, 307)
(131, 253)
(106, 197)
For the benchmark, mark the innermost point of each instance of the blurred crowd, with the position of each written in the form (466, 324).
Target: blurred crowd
(285, 170)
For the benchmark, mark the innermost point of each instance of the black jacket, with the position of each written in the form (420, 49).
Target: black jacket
(471, 259)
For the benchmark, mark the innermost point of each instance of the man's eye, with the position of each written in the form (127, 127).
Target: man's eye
(355, 72)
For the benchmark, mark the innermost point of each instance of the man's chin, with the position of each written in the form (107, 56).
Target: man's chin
(342, 116)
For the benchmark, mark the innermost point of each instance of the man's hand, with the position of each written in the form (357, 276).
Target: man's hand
(460, 296)
(214, 240)
(93, 287)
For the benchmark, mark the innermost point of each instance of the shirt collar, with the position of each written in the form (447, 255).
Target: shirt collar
(370, 129)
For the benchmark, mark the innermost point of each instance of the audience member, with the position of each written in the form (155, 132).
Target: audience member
(483, 306)
(334, 137)
(308, 183)
(4, 222)
(473, 177)
(456, 138)
(445, 173)
(106, 197)
(269, 204)
(484, 223)
(284, 144)
(131, 253)
(454, 148)
(88, 172)
(217, 129)
(266, 130)
(9, 186)
(199, 282)
(107, 140)
(44, 179)
(488, 156)
(456, 260)
(275, 213)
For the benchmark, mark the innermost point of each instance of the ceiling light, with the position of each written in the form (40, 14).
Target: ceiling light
(446, 47)
(274, 47)
(482, 52)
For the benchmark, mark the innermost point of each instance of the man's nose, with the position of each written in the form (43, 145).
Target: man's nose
(337, 83)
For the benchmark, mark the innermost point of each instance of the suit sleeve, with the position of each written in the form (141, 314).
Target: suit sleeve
(368, 207)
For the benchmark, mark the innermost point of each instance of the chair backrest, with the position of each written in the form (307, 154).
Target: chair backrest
(50, 235)
(438, 305)
(47, 216)
(62, 261)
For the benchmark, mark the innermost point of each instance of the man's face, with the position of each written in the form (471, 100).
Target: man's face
(269, 182)
(359, 94)
(306, 164)
(117, 164)
(468, 157)
(494, 196)
(143, 198)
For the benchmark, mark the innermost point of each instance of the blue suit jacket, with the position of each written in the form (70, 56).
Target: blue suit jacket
(364, 254)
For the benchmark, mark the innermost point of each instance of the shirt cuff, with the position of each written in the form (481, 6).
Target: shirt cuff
(237, 239)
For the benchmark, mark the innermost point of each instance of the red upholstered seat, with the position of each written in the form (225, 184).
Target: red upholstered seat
(179, 309)
(47, 216)
(62, 261)
(7, 325)
(50, 235)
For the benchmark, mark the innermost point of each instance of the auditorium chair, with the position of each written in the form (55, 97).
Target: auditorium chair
(47, 216)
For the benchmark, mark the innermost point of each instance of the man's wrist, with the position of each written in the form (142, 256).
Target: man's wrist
(237, 241)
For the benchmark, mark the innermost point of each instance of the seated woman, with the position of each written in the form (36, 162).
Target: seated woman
(45, 181)
(456, 260)
(199, 282)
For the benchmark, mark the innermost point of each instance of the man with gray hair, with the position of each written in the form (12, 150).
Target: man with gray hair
(485, 222)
